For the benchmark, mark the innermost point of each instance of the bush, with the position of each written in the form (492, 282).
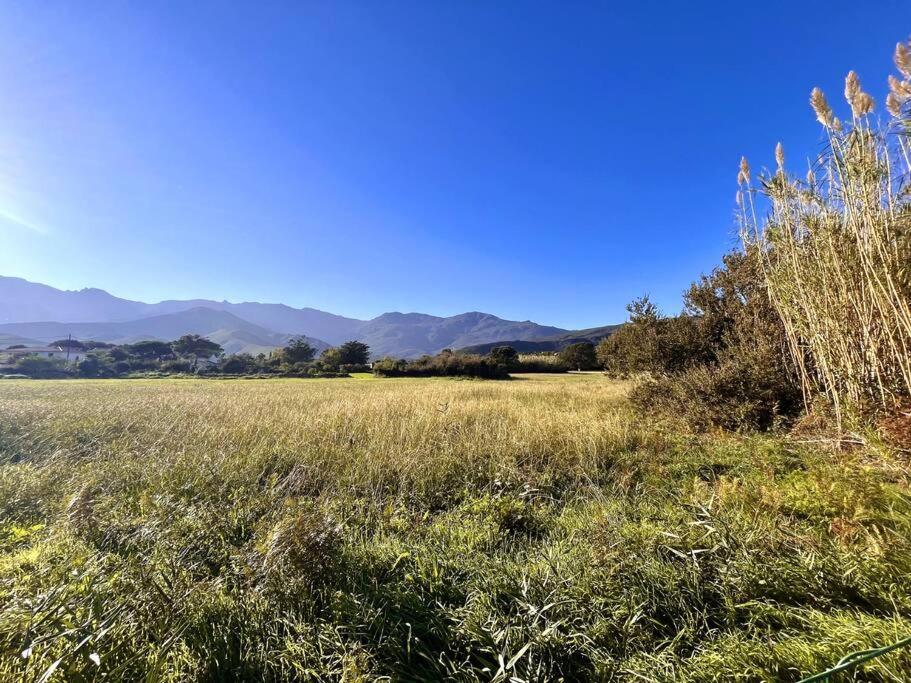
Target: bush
(540, 362)
(722, 363)
(238, 364)
(743, 391)
(176, 366)
(40, 367)
(446, 364)
(652, 343)
(347, 368)
(94, 365)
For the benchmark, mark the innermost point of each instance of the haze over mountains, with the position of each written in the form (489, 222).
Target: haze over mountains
(33, 313)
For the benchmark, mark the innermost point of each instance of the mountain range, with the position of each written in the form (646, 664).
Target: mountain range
(35, 313)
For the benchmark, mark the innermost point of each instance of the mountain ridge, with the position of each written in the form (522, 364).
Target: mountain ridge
(38, 311)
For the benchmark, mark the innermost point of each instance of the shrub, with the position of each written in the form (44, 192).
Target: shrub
(540, 362)
(652, 343)
(176, 366)
(40, 367)
(442, 365)
(742, 391)
(93, 365)
(348, 368)
(723, 363)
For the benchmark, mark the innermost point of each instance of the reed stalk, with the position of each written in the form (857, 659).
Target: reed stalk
(836, 254)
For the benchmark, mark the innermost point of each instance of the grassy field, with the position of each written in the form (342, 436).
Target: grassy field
(535, 529)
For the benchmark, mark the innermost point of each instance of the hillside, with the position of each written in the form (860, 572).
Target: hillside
(234, 334)
(413, 334)
(22, 301)
(548, 344)
(38, 312)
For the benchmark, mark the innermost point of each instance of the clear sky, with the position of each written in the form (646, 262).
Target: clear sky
(545, 161)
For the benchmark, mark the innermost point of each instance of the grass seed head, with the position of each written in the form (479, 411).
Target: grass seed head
(821, 107)
(852, 87)
(744, 175)
(903, 59)
(863, 104)
(902, 89)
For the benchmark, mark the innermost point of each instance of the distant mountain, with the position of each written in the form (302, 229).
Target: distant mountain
(38, 312)
(24, 301)
(335, 329)
(234, 334)
(7, 340)
(412, 334)
(548, 344)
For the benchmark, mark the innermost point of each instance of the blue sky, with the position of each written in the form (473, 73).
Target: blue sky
(545, 161)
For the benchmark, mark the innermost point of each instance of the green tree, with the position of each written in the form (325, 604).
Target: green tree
(41, 367)
(195, 346)
(353, 353)
(330, 359)
(149, 350)
(504, 355)
(298, 350)
(95, 365)
(580, 356)
(238, 364)
(635, 346)
(68, 343)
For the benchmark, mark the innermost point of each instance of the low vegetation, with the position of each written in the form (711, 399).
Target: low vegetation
(448, 364)
(815, 313)
(424, 529)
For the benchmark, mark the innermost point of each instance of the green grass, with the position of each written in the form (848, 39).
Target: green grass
(428, 529)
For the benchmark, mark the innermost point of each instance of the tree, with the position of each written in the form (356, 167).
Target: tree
(580, 356)
(298, 350)
(41, 367)
(504, 355)
(68, 344)
(196, 347)
(635, 346)
(149, 350)
(118, 353)
(330, 359)
(353, 353)
(93, 365)
(239, 364)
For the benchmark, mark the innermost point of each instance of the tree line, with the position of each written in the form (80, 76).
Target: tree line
(190, 354)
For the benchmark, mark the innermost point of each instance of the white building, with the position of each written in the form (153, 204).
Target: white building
(73, 356)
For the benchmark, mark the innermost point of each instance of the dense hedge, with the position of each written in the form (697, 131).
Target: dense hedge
(446, 364)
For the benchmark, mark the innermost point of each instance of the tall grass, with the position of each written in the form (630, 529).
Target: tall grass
(430, 529)
(836, 250)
